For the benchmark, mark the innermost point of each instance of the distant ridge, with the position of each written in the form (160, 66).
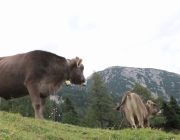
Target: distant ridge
(159, 82)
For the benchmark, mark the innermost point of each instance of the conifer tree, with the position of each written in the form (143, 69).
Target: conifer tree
(174, 105)
(70, 115)
(143, 92)
(91, 119)
(171, 112)
(102, 102)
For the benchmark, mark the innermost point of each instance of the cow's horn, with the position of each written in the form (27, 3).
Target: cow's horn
(79, 62)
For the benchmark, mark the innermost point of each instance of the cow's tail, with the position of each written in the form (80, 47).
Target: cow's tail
(128, 93)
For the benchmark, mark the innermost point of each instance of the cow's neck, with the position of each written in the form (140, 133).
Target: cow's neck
(147, 107)
(149, 111)
(68, 69)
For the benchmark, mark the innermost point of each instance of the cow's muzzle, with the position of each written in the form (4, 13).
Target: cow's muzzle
(159, 112)
(83, 84)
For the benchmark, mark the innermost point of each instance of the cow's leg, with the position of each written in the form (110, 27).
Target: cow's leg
(36, 103)
(42, 109)
(148, 123)
(131, 120)
(35, 99)
(141, 121)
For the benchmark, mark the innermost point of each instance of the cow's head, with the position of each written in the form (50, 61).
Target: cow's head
(76, 75)
(152, 108)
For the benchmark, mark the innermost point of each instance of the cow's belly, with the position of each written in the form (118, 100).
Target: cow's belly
(47, 89)
(14, 91)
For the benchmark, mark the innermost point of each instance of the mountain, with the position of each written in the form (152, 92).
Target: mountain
(159, 82)
(120, 79)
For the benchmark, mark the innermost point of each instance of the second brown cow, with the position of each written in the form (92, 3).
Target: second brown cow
(135, 111)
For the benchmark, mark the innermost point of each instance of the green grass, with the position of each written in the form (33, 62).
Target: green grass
(16, 127)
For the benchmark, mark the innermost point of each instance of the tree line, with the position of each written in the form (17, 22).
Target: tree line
(94, 107)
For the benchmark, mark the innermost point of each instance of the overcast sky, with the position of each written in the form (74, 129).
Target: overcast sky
(104, 33)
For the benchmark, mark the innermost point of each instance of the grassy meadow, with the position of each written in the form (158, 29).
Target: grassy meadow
(16, 127)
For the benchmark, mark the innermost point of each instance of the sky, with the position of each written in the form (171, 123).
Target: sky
(104, 33)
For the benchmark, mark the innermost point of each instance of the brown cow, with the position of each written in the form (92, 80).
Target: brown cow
(136, 111)
(39, 74)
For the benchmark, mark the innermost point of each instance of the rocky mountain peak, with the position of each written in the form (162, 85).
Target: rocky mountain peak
(159, 82)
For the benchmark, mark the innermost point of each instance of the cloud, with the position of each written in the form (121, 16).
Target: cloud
(170, 26)
(109, 33)
(73, 22)
(78, 23)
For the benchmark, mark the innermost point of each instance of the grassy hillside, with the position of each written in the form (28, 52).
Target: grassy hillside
(14, 126)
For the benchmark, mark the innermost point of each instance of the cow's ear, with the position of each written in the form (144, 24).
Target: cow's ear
(149, 102)
(78, 61)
